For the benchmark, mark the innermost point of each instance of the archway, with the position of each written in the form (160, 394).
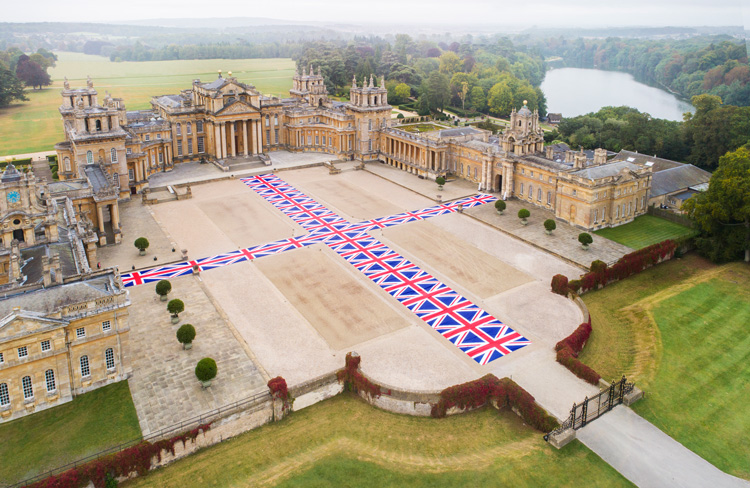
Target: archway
(499, 182)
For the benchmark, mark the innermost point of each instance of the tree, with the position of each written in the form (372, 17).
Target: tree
(524, 214)
(440, 181)
(450, 63)
(550, 225)
(31, 73)
(500, 206)
(206, 370)
(436, 91)
(142, 244)
(723, 211)
(163, 287)
(185, 335)
(585, 239)
(175, 307)
(11, 88)
(477, 98)
(402, 91)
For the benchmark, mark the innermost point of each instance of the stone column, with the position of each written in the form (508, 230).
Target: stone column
(115, 216)
(100, 214)
(223, 140)
(244, 136)
(217, 140)
(232, 143)
(260, 136)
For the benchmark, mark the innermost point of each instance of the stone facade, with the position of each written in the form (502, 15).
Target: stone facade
(62, 341)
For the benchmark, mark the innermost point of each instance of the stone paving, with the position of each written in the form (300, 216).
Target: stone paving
(137, 220)
(164, 387)
(563, 242)
(452, 190)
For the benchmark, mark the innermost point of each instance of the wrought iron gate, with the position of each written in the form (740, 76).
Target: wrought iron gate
(591, 408)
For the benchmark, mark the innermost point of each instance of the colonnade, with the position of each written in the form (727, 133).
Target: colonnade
(249, 131)
(400, 154)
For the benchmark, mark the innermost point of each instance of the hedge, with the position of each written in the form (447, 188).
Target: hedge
(569, 348)
(560, 284)
(504, 392)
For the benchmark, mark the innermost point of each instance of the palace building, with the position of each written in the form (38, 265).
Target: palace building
(115, 151)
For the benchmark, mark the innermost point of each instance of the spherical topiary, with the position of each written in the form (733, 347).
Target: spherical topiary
(206, 369)
(186, 333)
(500, 205)
(163, 287)
(585, 238)
(523, 214)
(440, 180)
(550, 225)
(175, 306)
(141, 243)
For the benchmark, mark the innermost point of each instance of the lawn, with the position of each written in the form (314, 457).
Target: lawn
(644, 231)
(35, 125)
(421, 127)
(92, 422)
(346, 442)
(680, 330)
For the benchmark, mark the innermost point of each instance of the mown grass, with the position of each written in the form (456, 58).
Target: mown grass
(92, 422)
(346, 442)
(680, 330)
(644, 231)
(35, 125)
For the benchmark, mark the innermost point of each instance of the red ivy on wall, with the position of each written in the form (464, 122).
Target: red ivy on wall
(568, 349)
(354, 380)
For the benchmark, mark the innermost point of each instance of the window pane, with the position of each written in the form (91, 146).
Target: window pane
(85, 371)
(49, 376)
(4, 396)
(109, 356)
(28, 390)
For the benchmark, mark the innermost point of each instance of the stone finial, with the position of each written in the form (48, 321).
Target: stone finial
(296, 71)
(319, 71)
(354, 81)
(89, 81)
(312, 72)
(304, 71)
(371, 82)
(382, 82)
(66, 84)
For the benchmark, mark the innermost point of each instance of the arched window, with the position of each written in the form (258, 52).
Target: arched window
(28, 389)
(369, 124)
(98, 125)
(539, 195)
(521, 193)
(189, 128)
(113, 153)
(109, 359)
(275, 120)
(268, 121)
(549, 197)
(67, 163)
(85, 370)
(531, 191)
(475, 173)
(617, 211)
(4, 395)
(49, 377)
(596, 215)
(89, 157)
(179, 129)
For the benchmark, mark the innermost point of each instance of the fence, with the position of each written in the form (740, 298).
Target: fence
(246, 405)
(671, 216)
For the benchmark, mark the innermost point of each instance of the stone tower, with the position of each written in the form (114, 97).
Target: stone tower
(524, 136)
(310, 86)
(369, 105)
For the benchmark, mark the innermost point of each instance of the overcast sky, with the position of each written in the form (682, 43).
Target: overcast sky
(592, 13)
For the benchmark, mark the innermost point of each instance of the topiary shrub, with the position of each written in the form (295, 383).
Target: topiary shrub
(598, 266)
(175, 307)
(185, 335)
(560, 284)
(500, 206)
(440, 181)
(163, 287)
(585, 239)
(400, 116)
(524, 214)
(142, 244)
(205, 371)
(550, 225)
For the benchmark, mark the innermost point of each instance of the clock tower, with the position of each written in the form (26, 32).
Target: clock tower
(25, 214)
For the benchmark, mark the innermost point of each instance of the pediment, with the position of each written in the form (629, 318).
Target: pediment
(21, 323)
(237, 107)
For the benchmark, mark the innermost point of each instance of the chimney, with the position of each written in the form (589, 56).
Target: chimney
(56, 269)
(549, 152)
(600, 156)
(46, 271)
(569, 156)
(580, 160)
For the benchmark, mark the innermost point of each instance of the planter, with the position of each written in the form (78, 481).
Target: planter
(188, 345)
(163, 298)
(440, 187)
(524, 222)
(175, 319)
(548, 232)
(142, 252)
(206, 384)
(585, 247)
(500, 212)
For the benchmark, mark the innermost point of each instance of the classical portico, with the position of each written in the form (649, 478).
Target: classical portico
(237, 137)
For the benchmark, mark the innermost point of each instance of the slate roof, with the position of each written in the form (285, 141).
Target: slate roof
(605, 170)
(482, 146)
(462, 131)
(677, 178)
(96, 176)
(657, 164)
(170, 100)
(686, 194)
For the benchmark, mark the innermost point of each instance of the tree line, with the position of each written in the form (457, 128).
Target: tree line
(18, 70)
(701, 139)
(716, 65)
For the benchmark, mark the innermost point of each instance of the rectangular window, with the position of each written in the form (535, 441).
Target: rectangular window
(521, 188)
(531, 174)
(128, 151)
(201, 145)
(276, 135)
(317, 140)
(596, 215)
(309, 140)
(276, 121)
(189, 128)
(179, 147)
(4, 396)
(158, 136)
(198, 126)
(131, 174)
(369, 146)
(549, 197)
(190, 146)
(268, 137)
(523, 171)
(80, 332)
(2, 358)
(106, 326)
(22, 352)
(161, 157)
(147, 137)
(85, 370)
(575, 192)
(539, 195)
(46, 346)
(49, 379)
(550, 179)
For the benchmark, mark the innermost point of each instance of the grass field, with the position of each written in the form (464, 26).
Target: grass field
(35, 125)
(644, 231)
(422, 127)
(92, 422)
(345, 442)
(680, 330)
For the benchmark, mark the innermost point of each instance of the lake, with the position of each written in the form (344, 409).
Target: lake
(576, 91)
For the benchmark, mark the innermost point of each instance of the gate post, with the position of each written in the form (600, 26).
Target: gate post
(622, 387)
(611, 395)
(584, 410)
